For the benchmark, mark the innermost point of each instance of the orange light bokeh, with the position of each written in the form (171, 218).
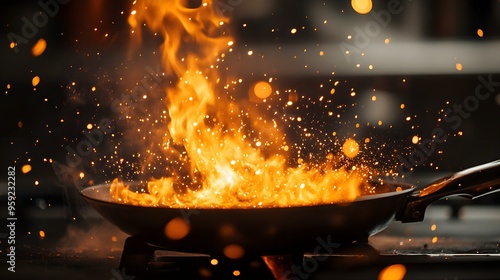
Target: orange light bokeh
(176, 229)
(234, 251)
(362, 6)
(350, 148)
(262, 89)
(393, 272)
(39, 47)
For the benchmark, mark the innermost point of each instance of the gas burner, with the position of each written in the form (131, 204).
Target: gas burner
(141, 260)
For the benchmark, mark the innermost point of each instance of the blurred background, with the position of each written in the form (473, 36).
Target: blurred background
(413, 66)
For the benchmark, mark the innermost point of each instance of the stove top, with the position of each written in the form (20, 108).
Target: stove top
(440, 247)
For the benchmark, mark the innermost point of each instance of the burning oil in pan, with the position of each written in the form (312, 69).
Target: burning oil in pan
(226, 154)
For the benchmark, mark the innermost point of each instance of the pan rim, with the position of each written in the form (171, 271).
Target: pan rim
(86, 193)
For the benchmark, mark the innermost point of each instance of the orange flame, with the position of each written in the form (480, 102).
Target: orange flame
(225, 167)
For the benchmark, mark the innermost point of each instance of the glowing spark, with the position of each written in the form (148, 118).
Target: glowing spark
(39, 47)
(35, 81)
(26, 168)
(480, 33)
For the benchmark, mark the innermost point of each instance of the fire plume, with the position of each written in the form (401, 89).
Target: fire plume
(222, 165)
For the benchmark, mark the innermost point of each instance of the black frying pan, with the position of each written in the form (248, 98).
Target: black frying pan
(266, 231)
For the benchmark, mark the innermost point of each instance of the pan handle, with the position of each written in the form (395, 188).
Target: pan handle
(470, 183)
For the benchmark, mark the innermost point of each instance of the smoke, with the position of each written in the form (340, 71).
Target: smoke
(99, 240)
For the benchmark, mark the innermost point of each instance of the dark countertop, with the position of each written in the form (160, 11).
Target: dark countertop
(91, 249)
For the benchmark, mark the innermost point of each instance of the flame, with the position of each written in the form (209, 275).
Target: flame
(221, 162)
